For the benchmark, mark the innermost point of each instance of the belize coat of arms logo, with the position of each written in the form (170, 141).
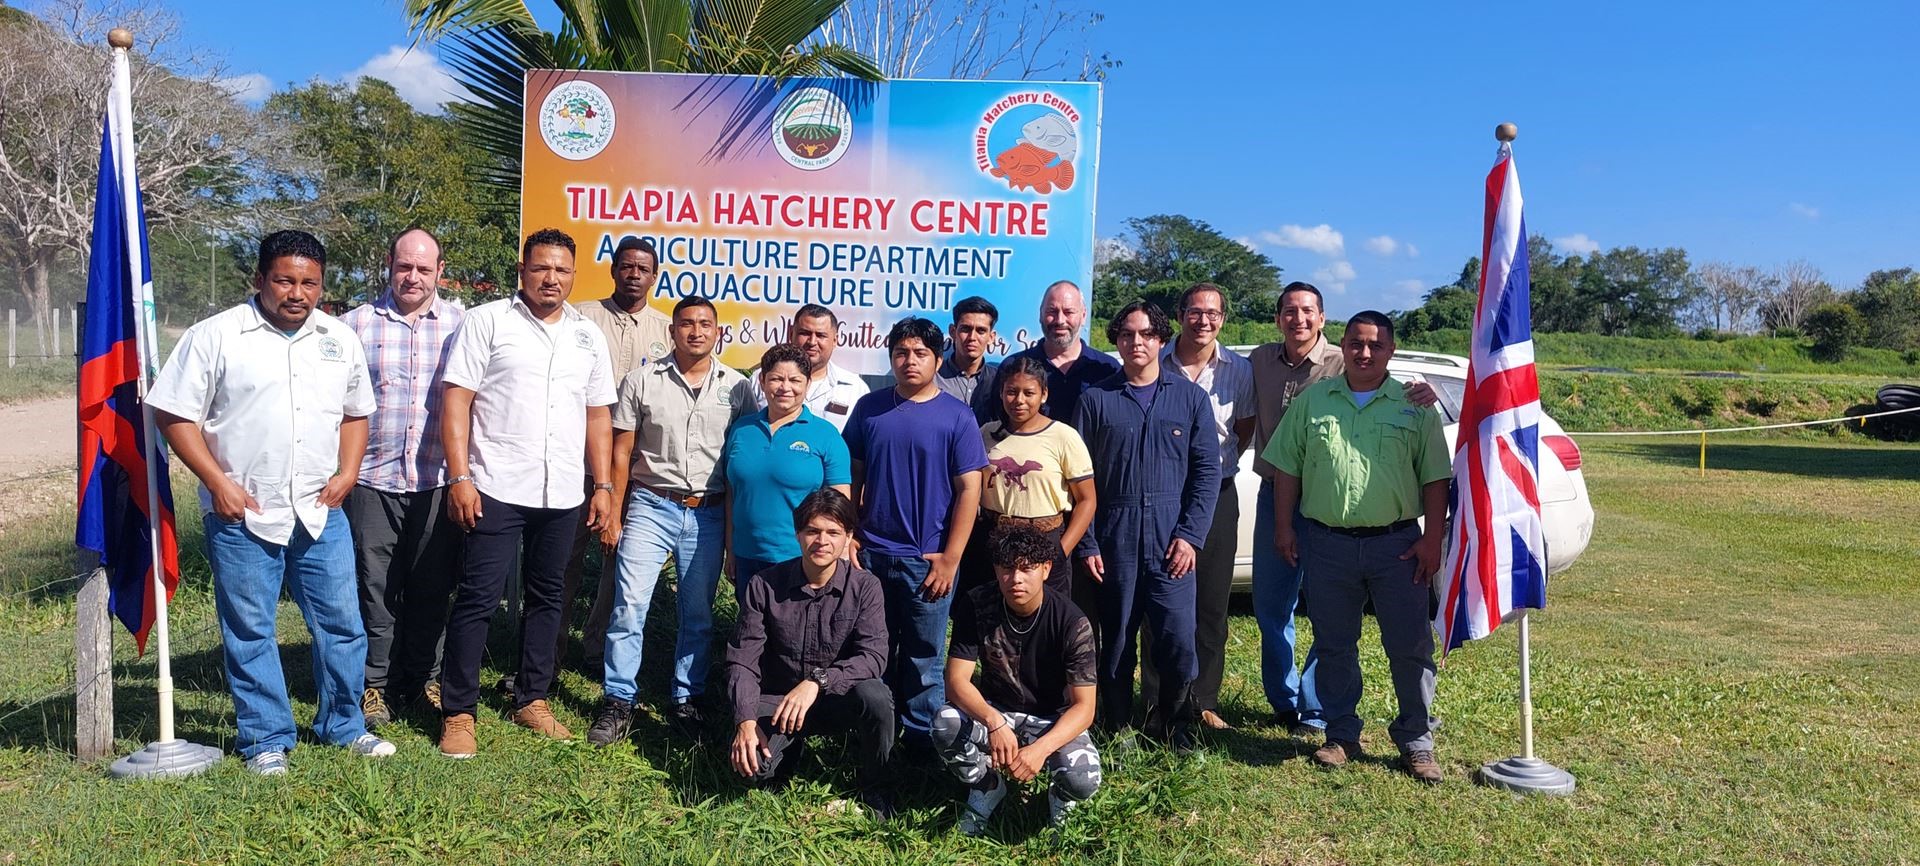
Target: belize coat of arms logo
(576, 120)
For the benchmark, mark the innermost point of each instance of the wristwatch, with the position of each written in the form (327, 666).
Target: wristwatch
(457, 479)
(604, 485)
(819, 677)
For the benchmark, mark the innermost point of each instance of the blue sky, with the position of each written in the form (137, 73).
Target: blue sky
(1348, 141)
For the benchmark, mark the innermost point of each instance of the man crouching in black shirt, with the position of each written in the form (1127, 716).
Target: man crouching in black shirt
(807, 655)
(1036, 694)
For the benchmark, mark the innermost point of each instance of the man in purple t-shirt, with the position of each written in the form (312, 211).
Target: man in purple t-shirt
(916, 455)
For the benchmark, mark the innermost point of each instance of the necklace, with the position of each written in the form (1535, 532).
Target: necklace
(1011, 619)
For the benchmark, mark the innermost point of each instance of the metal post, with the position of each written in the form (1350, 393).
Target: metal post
(166, 756)
(13, 337)
(1703, 454)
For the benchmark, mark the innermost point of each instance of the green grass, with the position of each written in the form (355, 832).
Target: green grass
(1728, 671)
(35, 380)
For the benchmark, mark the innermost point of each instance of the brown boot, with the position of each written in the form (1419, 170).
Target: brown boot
(1421, 765)
(456, 736)
(1336, 753)
(538, 716)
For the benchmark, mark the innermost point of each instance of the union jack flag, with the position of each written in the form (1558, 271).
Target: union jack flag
(1497, 555)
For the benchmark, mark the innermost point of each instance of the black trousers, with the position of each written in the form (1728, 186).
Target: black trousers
(543, 537)
(1213, 569)
(407, 554)
(865, 713)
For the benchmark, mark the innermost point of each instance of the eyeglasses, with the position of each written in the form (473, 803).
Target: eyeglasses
(1208, 315)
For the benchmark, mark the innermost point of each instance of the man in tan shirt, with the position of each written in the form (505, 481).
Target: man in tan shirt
(637, 334)
(1282, 370)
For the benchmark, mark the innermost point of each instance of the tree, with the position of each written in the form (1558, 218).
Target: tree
(1834, 326)
(972, 38)
(491, 45)
(1445, 307)
(384, 167)
(1166, 253)
(1638, 292)
(1730, 297)
(195, 143)
(1798, 288)
(1890, 303)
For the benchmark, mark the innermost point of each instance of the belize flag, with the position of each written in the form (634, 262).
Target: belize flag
(1496, 556)
(118, 448)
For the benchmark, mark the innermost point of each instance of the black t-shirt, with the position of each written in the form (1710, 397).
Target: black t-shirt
(1026, 666)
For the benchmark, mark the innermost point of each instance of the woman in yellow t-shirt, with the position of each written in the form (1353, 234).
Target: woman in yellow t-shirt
(1038, 473)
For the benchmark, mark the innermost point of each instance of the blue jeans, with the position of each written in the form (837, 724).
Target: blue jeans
(1276, 594)
(318, 573)
(657, 528)
(917, 667)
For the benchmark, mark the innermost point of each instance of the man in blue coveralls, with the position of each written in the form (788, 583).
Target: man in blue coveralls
(1156, 469)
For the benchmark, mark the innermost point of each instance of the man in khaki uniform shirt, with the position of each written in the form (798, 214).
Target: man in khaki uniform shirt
(670, 425)
(636, 335)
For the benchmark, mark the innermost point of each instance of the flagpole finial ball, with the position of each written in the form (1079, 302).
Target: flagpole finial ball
(120, 37)
(1506, 132)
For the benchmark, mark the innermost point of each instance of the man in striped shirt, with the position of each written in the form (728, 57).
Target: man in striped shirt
(403, 546)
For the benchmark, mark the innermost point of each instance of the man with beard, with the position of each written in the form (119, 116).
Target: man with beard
(1073, 366)
(528, 388)
(404, 547)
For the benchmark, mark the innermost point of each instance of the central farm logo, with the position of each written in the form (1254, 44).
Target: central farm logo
(1030, 140)
(576, 120)
(812, 128)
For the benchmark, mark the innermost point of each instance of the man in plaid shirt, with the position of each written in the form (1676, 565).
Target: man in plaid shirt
(405, 549)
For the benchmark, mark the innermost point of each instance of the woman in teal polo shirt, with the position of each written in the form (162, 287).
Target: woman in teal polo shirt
(773, 459)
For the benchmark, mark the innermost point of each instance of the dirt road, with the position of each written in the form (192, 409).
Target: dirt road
(38, 448)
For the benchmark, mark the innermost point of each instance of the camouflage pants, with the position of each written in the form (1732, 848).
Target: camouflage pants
(962, 744)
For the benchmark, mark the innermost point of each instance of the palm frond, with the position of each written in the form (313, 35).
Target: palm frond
(431, 19)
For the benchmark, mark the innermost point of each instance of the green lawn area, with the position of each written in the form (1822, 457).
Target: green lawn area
(1728, 671)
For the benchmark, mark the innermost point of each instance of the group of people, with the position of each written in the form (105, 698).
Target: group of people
(968, 562)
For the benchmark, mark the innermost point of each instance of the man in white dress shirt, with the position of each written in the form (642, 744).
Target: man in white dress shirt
(833, 389)
(528, 386)
(267, 403)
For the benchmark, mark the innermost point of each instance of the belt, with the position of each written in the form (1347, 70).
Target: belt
(1044, 524)
(683, 500)
(1366, 531)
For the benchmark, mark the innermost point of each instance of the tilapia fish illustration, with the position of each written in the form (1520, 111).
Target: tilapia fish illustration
(1028, 167)
(1052, 132)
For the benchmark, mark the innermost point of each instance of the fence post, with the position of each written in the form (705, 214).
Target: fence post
(55, 333)
(74, 315)
(92, 636)
(13, 334)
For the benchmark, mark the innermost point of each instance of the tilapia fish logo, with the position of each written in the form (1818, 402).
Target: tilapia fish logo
(1042, 159)
(812, 128)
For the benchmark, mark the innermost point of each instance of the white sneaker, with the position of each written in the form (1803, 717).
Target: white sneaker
(370, 746)
(272, 763)
(980, 806)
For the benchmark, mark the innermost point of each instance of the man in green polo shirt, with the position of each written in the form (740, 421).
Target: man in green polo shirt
(1364, 464)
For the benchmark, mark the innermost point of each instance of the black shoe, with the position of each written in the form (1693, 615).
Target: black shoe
(685, 719)
(1291, 723)
(877, 804)
(613, 723)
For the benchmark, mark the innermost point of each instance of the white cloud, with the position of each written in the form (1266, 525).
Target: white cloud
(1245, 241)
(1413, 252)
(1411, 286)
(1577, 244)
(416, 75)
(251, 88)
(1334, 277)
(1805, 210)
(1322, 239)
(1384, 245)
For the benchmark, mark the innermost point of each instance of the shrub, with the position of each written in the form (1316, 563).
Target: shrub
(1834, 327)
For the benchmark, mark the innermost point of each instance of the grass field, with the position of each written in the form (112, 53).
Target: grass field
(1729, 672)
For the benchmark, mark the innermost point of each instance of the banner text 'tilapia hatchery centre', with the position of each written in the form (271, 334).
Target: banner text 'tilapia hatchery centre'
(877, 200)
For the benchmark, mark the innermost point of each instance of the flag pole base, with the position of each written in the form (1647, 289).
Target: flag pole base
(169, 759)
(1527, 776)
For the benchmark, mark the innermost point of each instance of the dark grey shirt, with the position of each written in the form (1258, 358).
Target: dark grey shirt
(788, 629)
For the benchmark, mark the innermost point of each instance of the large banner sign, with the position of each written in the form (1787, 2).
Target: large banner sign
(878, 201)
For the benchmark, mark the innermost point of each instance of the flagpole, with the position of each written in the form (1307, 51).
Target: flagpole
(166, 756)
(1524, 774)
